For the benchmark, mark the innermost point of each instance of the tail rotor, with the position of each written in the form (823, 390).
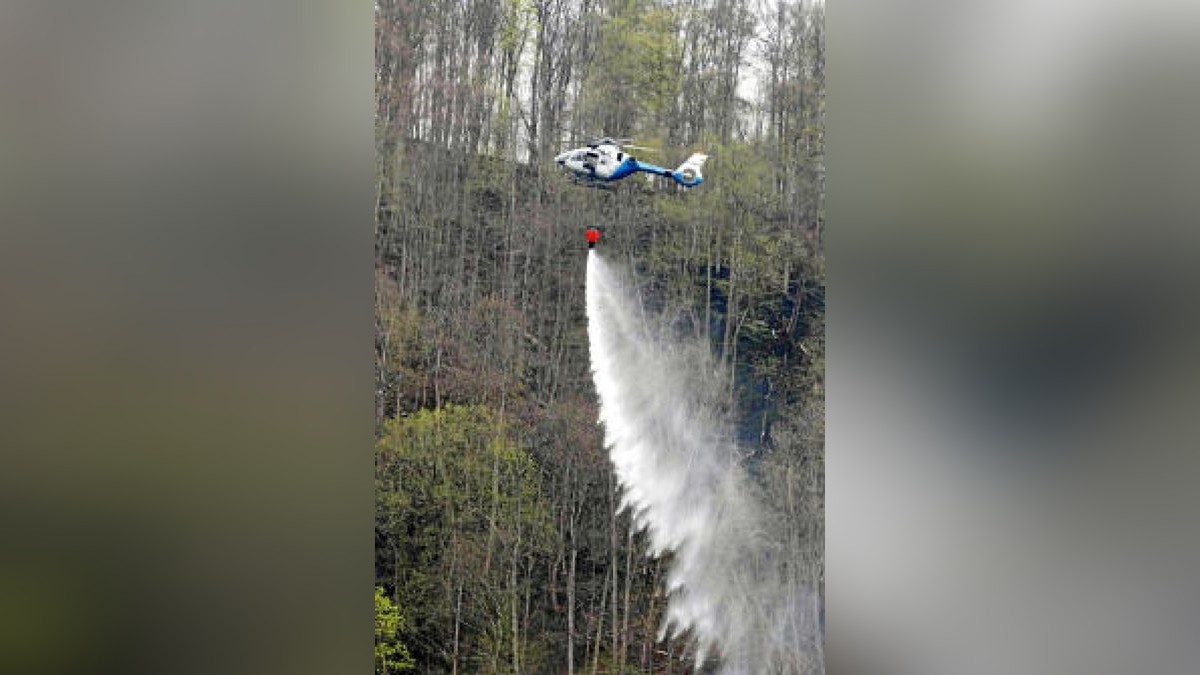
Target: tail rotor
(689, 173)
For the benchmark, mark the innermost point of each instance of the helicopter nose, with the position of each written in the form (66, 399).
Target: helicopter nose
(561, 159)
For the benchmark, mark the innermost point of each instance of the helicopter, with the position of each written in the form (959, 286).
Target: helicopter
(604, 161)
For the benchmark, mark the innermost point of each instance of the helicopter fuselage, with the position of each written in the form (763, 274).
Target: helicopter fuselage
(605, 162)
(600, 163)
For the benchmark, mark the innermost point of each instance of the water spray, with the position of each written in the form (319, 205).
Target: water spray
(680, 478)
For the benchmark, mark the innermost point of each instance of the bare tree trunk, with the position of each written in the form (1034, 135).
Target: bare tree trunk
(516, 635)
(571, 582)
(625, 610)
(708, 289)
(648, 633)
(612, 539)
(529, 567)
(437, 373)
(457, 624)
(600, 626)
(487, 560)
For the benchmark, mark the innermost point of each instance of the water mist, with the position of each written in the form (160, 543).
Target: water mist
(681, 479)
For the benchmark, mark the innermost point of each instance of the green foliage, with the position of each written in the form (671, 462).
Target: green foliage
(403, 349)
(391, 656)
(635, 78)
(518, 14)
(459, 504)
(460, 465)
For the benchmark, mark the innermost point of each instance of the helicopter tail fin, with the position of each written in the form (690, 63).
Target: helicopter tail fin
(688, 174)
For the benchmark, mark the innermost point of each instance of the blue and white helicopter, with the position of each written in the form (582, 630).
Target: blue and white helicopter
(605, 161)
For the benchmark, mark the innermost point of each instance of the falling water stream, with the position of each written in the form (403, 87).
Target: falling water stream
(681, 479)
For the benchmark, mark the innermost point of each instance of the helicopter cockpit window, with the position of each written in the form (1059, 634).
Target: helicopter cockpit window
(620, 156)
(577, 156)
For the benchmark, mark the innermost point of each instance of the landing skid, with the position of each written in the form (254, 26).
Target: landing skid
(597, 184)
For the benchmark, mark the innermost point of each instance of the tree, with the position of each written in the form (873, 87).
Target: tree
(463, 533)
(391, 656)
(634, 82)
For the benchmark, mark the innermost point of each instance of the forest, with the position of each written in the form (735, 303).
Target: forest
(499, 543)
